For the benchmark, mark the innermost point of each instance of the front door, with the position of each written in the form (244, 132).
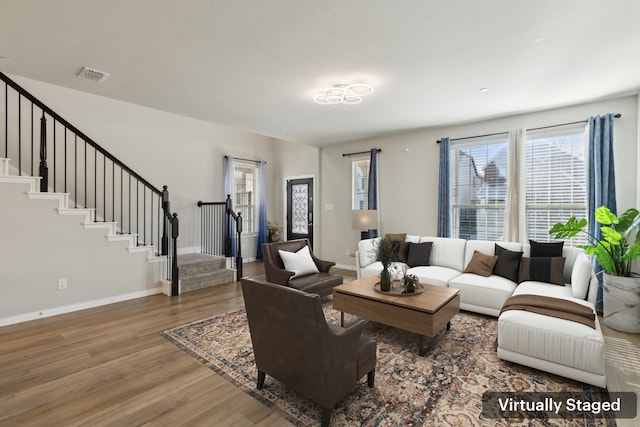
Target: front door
(300, 209)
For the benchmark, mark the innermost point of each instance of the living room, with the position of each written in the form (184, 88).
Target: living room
(186, 154)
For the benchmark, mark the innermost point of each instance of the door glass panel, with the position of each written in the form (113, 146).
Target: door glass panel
(300, 208)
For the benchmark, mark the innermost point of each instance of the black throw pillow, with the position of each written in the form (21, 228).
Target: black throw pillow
(419, 254)
(544, 249)
(508, 264)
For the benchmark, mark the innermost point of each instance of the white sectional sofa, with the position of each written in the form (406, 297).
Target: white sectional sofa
(551, 344)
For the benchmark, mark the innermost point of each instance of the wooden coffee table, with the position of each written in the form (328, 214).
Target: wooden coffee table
(427, 314)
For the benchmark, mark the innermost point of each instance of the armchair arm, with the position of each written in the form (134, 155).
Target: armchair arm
(323, 266)
(276, 275)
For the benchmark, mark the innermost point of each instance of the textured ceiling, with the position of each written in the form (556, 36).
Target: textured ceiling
(257, 65)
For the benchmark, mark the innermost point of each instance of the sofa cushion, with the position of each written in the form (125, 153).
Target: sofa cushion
(481, 264)
(299, 262)
(546, 249)
(447, 252)
(434, 275)
(419, 254)
(489, 292)
(508, 264)
(542, 269)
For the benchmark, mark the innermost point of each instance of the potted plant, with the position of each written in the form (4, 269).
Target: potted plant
(410, 283)
(614, 251)
(386, 255)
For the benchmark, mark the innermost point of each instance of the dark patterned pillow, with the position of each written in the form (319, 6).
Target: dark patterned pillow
(508, 264)
(542, 269)
(419, 254)
(396, 241)
(546, 249)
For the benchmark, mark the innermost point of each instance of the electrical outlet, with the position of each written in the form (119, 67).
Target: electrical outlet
(62, 284)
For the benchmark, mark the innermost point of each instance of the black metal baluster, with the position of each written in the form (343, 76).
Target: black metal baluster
(104, 186)
(75, 168)
(121, 201)
(6, 120)
(54, 154)
(129, 205)
(44, 169)
(65, 159)
(19, 134)
(32, 156)
(113, 192)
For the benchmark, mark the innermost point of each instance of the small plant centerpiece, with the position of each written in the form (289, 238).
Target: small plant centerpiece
(386, 255)
(614, 251)
(410, 283)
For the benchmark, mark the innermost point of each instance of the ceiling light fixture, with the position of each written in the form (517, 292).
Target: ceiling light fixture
(344, 94)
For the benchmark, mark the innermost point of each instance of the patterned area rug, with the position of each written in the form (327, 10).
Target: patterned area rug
(442, 389)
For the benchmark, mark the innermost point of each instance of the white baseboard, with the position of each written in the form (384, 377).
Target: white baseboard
(191, 250)
(76, 307)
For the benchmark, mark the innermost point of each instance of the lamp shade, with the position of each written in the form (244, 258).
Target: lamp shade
(364, 219)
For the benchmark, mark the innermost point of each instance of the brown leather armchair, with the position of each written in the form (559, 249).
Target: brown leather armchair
(294, 344)
(321, 283)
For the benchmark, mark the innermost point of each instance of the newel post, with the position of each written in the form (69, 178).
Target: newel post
(239, 245)
(44, 169)
(175, 273)
(166, 210)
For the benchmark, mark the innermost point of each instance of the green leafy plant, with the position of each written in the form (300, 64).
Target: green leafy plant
(619, 244)
(385, 252)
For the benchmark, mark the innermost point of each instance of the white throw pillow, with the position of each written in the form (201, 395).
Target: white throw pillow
(299, 262)
(580, 277)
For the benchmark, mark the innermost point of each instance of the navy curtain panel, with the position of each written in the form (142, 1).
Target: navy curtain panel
(372, 193)
(444, 196)
(229, 226)
(262, 208)
(372, 187)
(602, 180)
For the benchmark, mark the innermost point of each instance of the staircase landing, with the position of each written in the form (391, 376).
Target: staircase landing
(199, 271)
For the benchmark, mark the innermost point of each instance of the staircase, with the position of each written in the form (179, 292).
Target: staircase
(199, 271)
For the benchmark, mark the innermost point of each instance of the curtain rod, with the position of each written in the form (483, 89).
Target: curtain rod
(245, 160)
(471, 137)
(361, 152)
(617, 116)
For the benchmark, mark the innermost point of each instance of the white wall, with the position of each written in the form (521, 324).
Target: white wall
(39, 246)
(408, 171)
(166, 149)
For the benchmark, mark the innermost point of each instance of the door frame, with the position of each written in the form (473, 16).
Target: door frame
(315, 205)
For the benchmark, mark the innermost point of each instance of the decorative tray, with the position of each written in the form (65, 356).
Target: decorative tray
(398, 290)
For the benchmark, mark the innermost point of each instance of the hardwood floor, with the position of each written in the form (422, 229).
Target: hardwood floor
(109, 366)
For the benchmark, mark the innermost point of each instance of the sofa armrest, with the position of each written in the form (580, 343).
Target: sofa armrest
(358, 266)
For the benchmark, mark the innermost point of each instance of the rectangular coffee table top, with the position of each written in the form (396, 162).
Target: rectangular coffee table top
(430, 301)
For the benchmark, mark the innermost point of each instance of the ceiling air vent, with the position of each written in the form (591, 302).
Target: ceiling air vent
(93, 75)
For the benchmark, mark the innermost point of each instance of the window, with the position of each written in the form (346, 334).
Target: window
(555, 180)
(479, 188)
(552, 185)
(245, 186)
(360, 183)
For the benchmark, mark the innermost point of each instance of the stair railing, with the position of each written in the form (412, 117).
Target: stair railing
(71, 162)
(216, 219)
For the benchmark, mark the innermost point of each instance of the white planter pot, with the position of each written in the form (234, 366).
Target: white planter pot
(621, 303)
